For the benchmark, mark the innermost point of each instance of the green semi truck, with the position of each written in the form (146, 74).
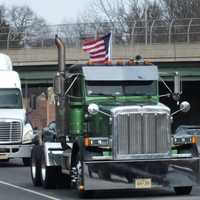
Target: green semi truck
(111, 132)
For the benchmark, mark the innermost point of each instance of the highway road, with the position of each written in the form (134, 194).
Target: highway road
(15, 184)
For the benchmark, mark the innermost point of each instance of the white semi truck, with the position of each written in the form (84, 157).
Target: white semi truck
(16, 132)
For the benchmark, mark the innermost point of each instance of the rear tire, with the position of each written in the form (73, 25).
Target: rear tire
(183, 190)
(49, 174)
(36, 165)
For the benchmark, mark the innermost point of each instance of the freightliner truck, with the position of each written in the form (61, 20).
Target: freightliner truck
(112, 132)
(16, 132)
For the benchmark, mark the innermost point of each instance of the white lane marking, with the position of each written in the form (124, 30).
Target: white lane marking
(28, 190)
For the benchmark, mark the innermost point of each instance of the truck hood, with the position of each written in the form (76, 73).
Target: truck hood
(137, 108)
(18, 114)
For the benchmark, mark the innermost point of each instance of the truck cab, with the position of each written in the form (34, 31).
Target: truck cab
(112, 132)
(128, 101)
(15, 130)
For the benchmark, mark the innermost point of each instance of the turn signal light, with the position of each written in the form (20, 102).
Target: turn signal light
(146, 62)
(131, 62)
(87, 141)
(194, 139)
(89, 62)
(119, 62)
(81, 188)
(108, 62)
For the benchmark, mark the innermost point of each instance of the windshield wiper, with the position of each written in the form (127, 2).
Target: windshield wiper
(101, 94)
(138, 94)
(8, 107)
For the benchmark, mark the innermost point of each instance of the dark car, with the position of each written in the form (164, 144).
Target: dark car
(188, 130)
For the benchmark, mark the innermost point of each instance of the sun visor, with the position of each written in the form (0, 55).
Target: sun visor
(120, 73)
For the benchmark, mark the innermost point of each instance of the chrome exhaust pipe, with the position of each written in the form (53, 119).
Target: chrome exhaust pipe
(59, 87)
(61, 54)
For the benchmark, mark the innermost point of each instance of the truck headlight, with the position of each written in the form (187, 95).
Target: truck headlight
(27, 134)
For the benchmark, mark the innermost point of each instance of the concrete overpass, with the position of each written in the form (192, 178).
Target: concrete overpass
(38, 65)
(155, 52)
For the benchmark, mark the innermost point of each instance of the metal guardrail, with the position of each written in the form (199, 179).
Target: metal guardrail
(129, 33)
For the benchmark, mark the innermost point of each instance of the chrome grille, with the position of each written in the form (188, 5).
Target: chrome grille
(139, 133)
(10, 131)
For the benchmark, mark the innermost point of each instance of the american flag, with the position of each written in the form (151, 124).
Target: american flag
(98, 49)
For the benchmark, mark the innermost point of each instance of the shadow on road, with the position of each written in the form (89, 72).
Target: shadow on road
(128, 194)
(11, 163)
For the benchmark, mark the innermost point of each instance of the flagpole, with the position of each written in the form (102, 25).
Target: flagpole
(110, 47)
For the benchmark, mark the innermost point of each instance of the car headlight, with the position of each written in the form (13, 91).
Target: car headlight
(27, 134)
(185, 140)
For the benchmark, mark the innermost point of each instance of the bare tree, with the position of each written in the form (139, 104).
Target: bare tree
(181, 12)
(181, 9)
(2, 14)
(21, 17)
(4, 27)
(124, 17)
(26, 25)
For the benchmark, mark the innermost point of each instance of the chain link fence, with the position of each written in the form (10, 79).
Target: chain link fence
(129, 33)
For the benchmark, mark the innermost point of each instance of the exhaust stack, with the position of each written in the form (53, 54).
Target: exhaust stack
(61, 54)
(59, 87)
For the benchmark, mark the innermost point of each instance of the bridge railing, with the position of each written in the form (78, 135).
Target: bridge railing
(128, 33)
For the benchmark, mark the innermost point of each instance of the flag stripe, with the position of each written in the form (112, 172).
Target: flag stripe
(95, 50)
(93, 45)
(98, 48)
(102, 53)
(91, 41)
(98, 56)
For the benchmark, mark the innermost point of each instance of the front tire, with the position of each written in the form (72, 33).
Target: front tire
(77, 171)
(36, 165)
(183, 190)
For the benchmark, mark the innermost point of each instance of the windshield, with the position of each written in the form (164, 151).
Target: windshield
(121, 88)
(188, 130)
(10, 98)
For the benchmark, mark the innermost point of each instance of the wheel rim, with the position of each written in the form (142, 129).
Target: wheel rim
(79, 171)
(33, 169)
(43, 170)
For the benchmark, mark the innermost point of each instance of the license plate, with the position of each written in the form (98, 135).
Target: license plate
(142, 183)
(3, 156)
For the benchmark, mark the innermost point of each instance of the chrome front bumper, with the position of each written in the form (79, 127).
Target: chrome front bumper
(107, 175)
(15, 151)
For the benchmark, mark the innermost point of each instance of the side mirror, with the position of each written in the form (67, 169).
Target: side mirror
(185, 106)
(93, 109)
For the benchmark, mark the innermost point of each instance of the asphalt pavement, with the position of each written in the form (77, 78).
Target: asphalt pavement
(15, 184)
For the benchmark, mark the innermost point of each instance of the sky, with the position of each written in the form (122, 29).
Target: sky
(53, 11)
